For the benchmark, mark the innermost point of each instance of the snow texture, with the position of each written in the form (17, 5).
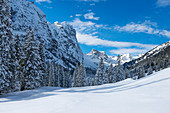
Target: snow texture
(147, 95)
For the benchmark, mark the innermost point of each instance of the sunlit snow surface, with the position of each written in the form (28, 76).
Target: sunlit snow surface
(147, 95)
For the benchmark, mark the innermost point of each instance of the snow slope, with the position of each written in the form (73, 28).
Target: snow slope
(147, 95)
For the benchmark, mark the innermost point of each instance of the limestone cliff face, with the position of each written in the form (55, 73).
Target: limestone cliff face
(60, 40)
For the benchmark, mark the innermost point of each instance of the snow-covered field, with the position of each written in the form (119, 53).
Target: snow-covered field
(147, 95)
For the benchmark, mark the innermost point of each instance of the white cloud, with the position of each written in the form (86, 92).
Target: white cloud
(78, 15)
(49, 1)
(90, 39)
(87, 34)
(81, 26)
(146, 27)
(163, 3)
(91, 16)
(129, 50)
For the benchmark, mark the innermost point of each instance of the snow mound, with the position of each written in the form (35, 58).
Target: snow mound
(147, 95)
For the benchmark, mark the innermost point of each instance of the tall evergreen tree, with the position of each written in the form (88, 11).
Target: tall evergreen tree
(70, 79)
(17, 54)
(66, 81)
(75, 76)
(141, 72)
(42, 66)
(127, 73)
(61, 76)
(99, 77)
(110, 74)
(51, 73)
(150, 70)
(119, 70)
(55, 82)
(30, 62)
(6, 57)
(82, 75)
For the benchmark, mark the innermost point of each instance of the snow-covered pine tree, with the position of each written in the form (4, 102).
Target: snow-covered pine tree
(110, 74)
(119, 70)
(99, 77)
(47, 73)
(55, 81)
(42, 66)
(141, 72)
(6, 60)
(127, 73)
(150, 70)
(61, 76)
(58, 76)
(17, 54)
(31, 76)
(75, 76)
(81, 75)
(51, 73)
(115, 79)
(66, 81)
(70, 79)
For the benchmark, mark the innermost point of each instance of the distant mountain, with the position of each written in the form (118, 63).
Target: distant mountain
(154, 60)
(92, 59)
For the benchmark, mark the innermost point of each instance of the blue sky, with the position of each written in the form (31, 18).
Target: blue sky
(113, 26)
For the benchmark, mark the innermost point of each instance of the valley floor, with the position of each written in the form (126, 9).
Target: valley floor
(147, 95)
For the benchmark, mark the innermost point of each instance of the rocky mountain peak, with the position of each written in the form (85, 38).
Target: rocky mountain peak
(60, 40)
(97, 53)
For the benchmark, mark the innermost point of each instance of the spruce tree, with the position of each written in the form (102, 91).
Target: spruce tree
(30, 62)
(110, 74)
(115, 79)
(75, 76)
(58, 76)
(150, 70)
(42, 66)
(141, 72)
(55, 76)
(61, 76)
(99, 77)
(81, 75)
(66, 81)
(119, 70)
(70, 79)
(17, 54)
(6, 55)
(51, 73)
(127, 73)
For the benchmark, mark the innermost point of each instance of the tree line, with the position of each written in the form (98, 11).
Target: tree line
(23, 63)
(24, 66)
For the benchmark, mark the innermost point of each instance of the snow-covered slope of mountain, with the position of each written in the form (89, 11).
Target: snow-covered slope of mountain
(147, 95)
(156, 50)
(60, 39)
(155, 56)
